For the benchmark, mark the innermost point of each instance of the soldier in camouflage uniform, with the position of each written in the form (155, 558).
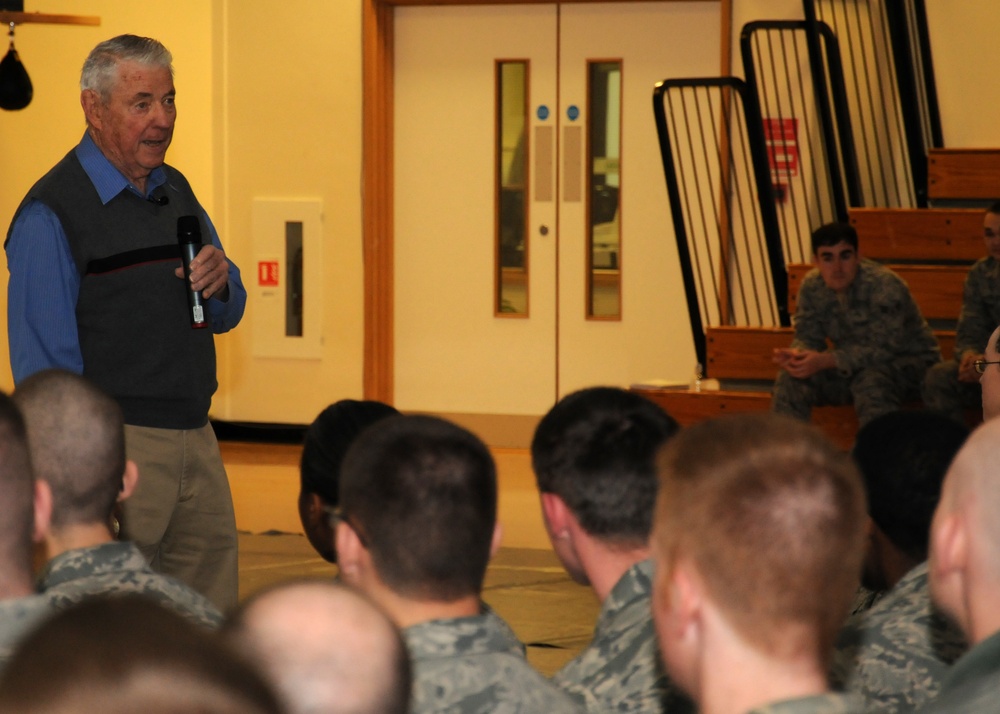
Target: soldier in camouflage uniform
(964, 562)
(896, 653)
(23, 518)
(859, 336)
(594, 460)
(77, 442)
(415, 531)
(953, 385)
(476, 664)
(758, 541)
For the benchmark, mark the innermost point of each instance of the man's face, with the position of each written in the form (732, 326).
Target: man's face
(135, 127)
(990, 379)
(991, 234)
(838, 264)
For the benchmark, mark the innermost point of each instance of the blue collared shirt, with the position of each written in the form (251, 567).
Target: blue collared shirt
(44, 281)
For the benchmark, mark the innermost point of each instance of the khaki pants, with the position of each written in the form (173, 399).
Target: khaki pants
(181, 514)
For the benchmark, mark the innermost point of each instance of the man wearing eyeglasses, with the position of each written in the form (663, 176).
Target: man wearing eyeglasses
(952, 386)
(988, 370)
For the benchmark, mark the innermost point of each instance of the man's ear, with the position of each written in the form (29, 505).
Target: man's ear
(92, 105)
(497, 538)
(129, 480)
(686, 593)
(351, 553)
(43, 510)
(949, 545)
(556, 514)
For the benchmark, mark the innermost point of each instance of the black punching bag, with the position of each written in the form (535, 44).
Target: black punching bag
(15, 85)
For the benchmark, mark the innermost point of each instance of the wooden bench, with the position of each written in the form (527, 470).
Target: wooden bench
(926, 235)
(963, 174)
(688, 407)
(744, 353)
(937, 289)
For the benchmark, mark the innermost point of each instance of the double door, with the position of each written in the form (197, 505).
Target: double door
(533, 260)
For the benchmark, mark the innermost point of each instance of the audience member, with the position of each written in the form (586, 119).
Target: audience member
(965, 572)
(758, 540)
(896, 653)
(24, 515)
(125, 655)
(952, 386)
(989, 377)
(594, 456)
(77, 442)
(418, 500)
(323, 449)
(881, 344)
(326, 648)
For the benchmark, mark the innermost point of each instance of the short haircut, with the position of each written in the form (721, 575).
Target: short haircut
(903, 457)
(100, 69)
(77, 441)
(129, 654)
(596, 450)
(17, 505)
(772, 516)
(326, 647)
(327, 440)
(833, 233)
(422, 494)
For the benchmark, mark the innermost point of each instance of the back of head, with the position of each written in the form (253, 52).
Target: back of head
(100, 69)
(77, 441)
(17, 514)
(772, 517)
(596, 450)
(326, 648)
(129, 654)
(421, 493)
(833, 233)
(903, 457)
(327, 440)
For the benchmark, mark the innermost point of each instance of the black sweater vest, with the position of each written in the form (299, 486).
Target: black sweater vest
(132, 315)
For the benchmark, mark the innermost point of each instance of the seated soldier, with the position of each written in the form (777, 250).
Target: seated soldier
(323, 449)
(965, 572)
(325, 647)
(418, 500)
(77, 442)
(881, 344)
(758, 541)
(594, 457)
(953, 385)
(25, 509)
(896, 653)
(129, 654)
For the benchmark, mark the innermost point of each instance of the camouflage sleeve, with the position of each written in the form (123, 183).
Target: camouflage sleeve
(810, 325)
(884, 331)
(975, 323)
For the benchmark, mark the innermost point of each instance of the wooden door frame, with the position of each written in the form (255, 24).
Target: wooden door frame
(377, 67)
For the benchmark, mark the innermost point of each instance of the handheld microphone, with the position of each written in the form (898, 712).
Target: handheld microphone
(189, 240)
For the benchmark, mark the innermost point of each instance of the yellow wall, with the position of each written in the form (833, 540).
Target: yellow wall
(269, 101)
(291, 110)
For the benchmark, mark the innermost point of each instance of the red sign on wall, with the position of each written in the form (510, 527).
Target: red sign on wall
(267, 273)
(781, 137)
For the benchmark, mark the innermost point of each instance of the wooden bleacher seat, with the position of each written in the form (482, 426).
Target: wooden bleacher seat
(936, 288)
(963, 174)
(744, 353)
(924, 235)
